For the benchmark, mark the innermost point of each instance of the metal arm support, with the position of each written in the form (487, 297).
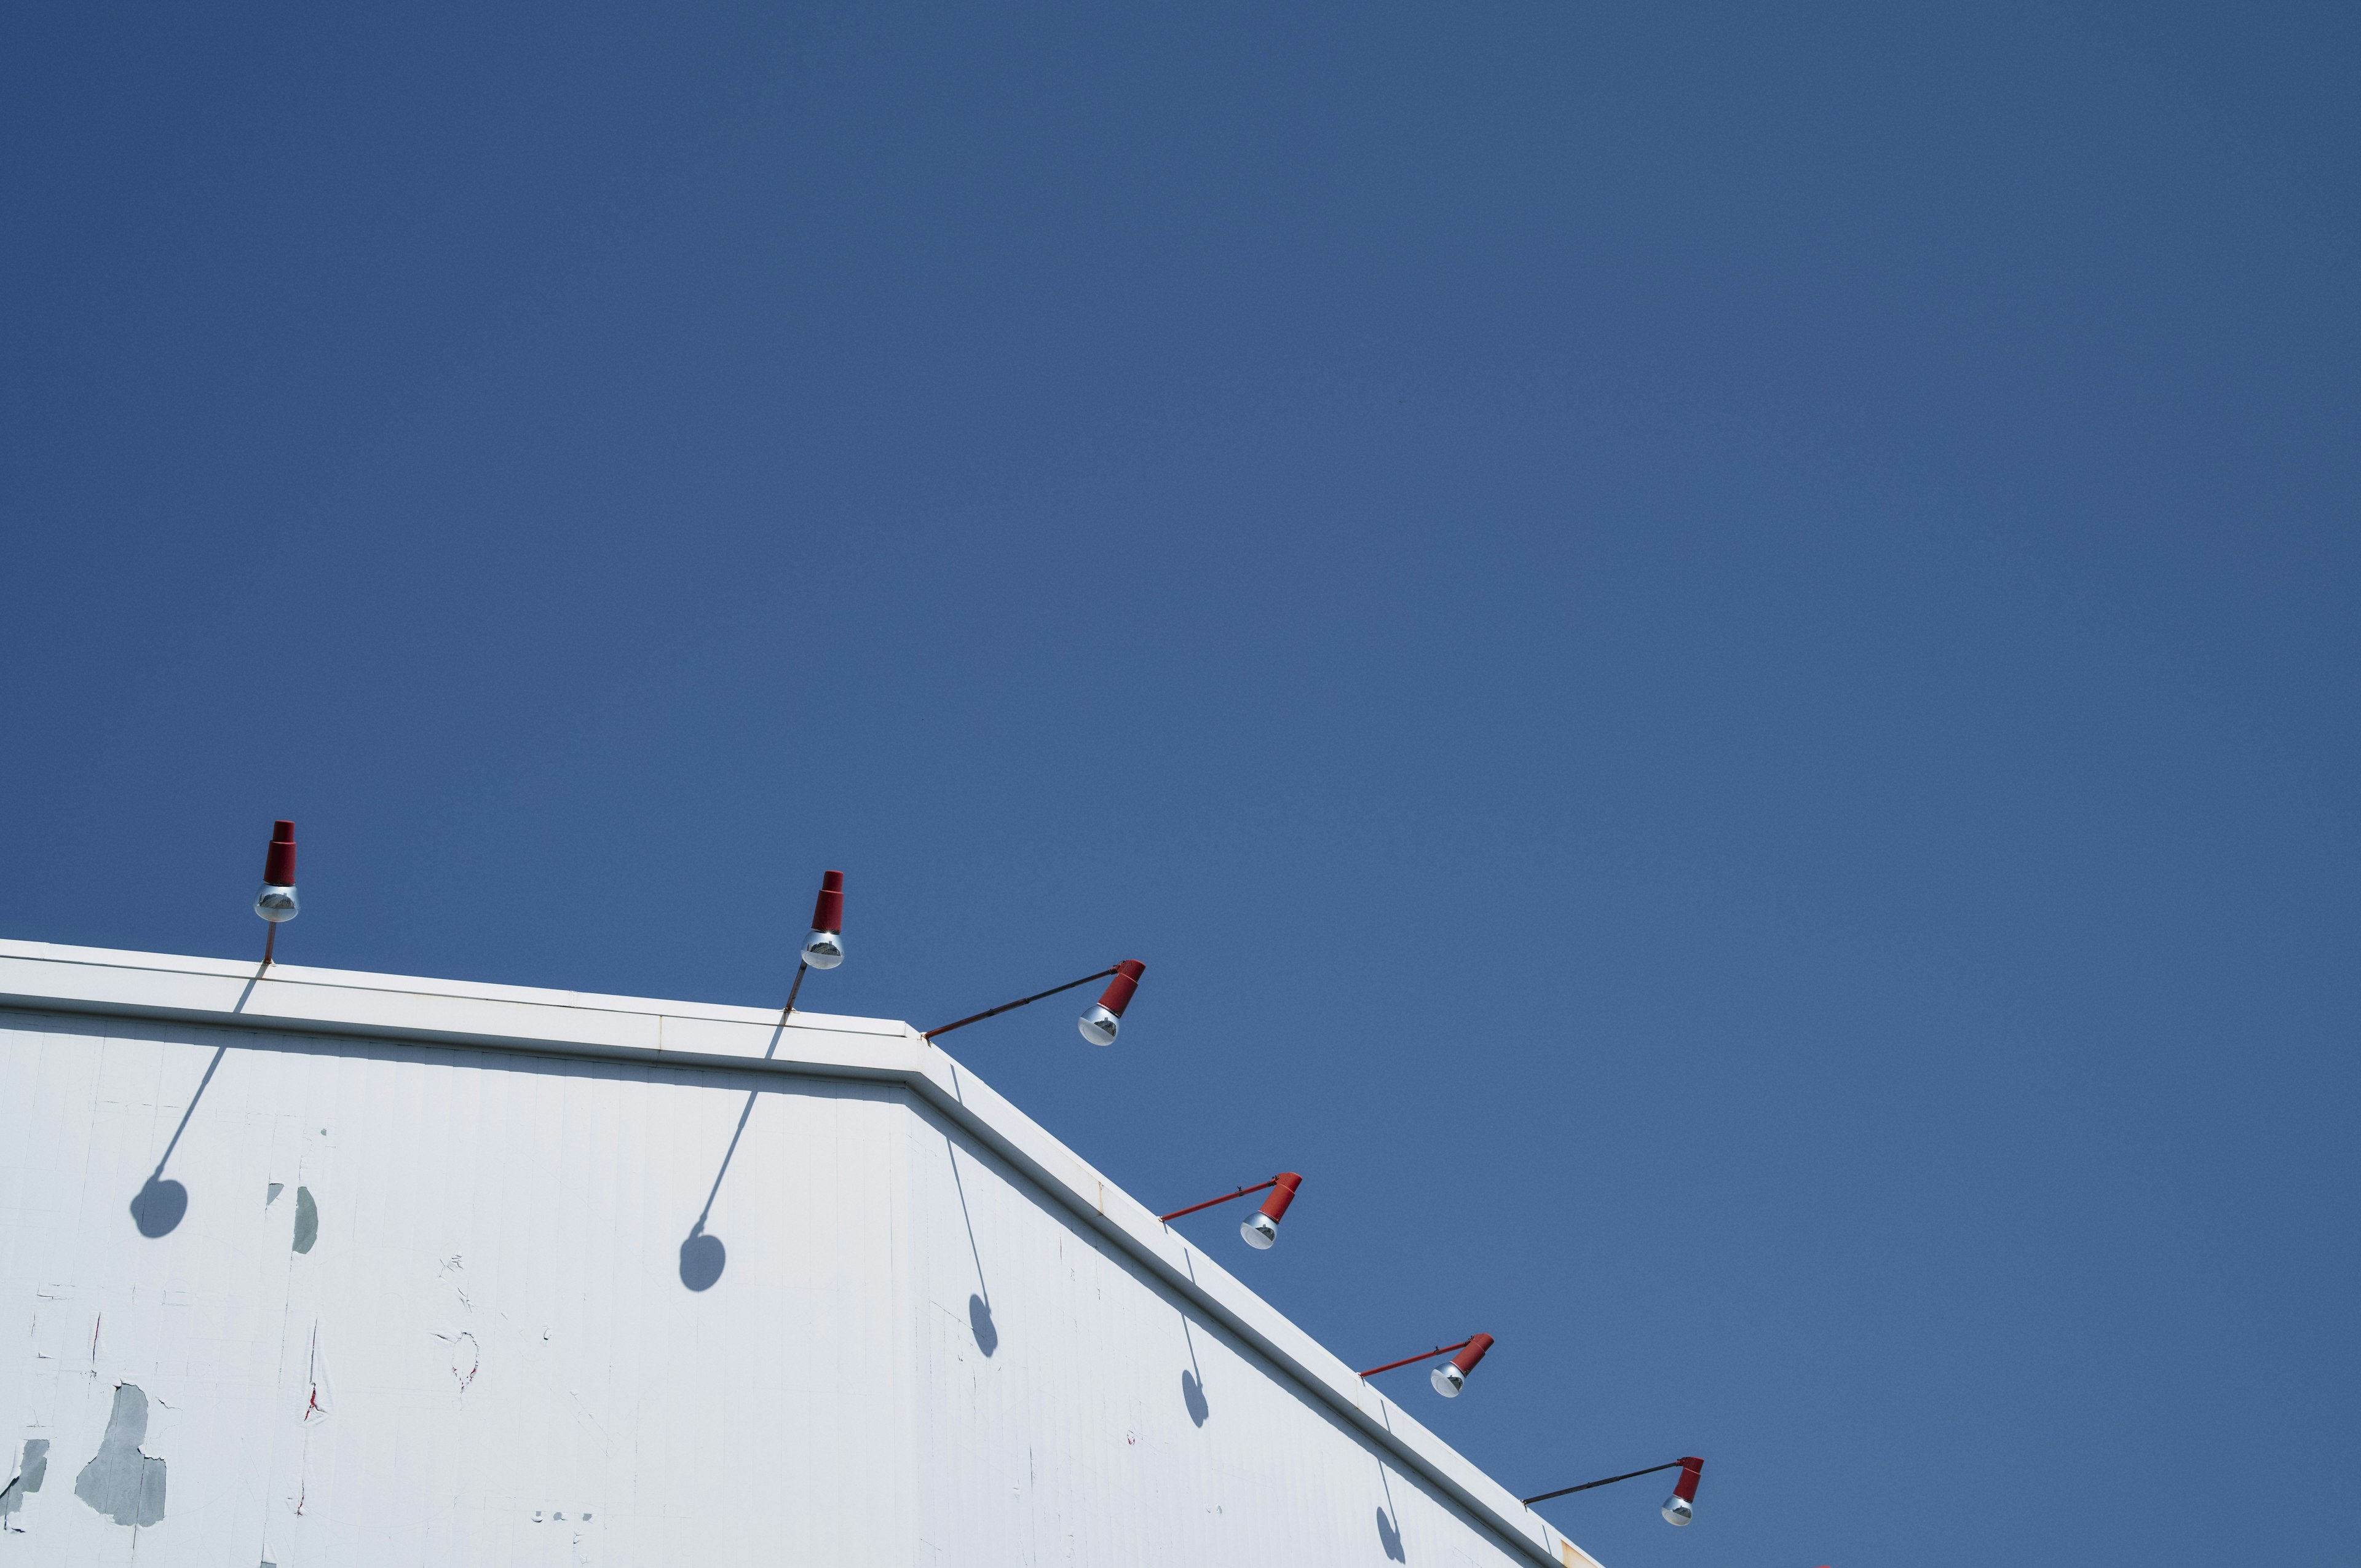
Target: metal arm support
(1586, 1486)
(994, 1012)
(1422, 1355)
(1258, 1187)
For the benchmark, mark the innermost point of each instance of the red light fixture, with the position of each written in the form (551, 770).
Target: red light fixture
(1452, 1376)
(277, 901)
(1099, 1024)
(1262, 1230)
(1101, 1021)
(1679, 1508)
(824, 947)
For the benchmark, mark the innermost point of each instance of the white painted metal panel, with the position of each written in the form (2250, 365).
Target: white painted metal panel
(486, 1354)
(618, 1303)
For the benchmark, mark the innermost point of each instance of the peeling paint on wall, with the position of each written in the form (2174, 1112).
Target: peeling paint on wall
(307, 1220)
(120, 1482)
(28, 1478)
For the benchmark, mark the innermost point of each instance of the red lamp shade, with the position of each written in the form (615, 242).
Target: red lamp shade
(1100, 1025)
(828, 912)
(279, 860)
(1680, 1507)
(277, 901)
(1262, 1228)
(824, 949)
(1452, 1376)
(1117, 996)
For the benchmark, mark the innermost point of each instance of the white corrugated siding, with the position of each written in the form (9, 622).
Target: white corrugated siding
(489, 1355)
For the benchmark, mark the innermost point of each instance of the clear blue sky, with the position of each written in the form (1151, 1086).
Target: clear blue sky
(1710, 650)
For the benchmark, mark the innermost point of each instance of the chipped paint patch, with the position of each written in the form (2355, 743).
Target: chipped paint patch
(307, 1220)
(120, 1482)
(29, 1479)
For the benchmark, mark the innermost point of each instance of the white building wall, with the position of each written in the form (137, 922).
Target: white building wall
(491, 1352)
(1085, 1415)
(488, 1354)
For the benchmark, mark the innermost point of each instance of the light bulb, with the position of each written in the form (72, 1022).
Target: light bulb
(1261, 1231)
(824, 949)
(1676, 1509)
(1100, 1027)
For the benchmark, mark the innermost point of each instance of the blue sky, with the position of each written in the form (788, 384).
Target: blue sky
(1710, 652)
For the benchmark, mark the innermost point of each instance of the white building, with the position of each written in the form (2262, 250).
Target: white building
(315, 1267)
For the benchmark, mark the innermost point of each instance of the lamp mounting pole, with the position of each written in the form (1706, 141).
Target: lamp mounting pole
(1224, 1197)
(1006, 1006)
(1610, 1481)
(802, 968)
(1421, 1355)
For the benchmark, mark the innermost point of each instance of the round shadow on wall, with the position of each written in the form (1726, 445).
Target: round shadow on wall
(702, 1258)
(158, 1206)
(979, 1317)
(1192, 1395)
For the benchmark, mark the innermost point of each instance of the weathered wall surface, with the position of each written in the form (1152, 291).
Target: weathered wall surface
(312, 1299)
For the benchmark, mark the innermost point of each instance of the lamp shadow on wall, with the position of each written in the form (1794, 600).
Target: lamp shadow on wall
(702, 1256)
(1192, 1379)
(979, 1305)
(1388, 1534)
(161, 1203)
(1192, 1395)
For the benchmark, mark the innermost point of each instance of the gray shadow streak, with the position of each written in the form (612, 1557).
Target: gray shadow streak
(251, 981)
(979, 1308)
(1193, 1381)
(1388, 1534)
(159, 1205)
(703, 1257)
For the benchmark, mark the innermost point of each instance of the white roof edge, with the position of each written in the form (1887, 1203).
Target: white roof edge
(50, 978)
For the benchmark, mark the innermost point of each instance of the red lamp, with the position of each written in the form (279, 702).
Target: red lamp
(1105, 1018)
(1681, 1507)
(824, 947)
(1451, 1376)
(1262, 1230)
(277, 901)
